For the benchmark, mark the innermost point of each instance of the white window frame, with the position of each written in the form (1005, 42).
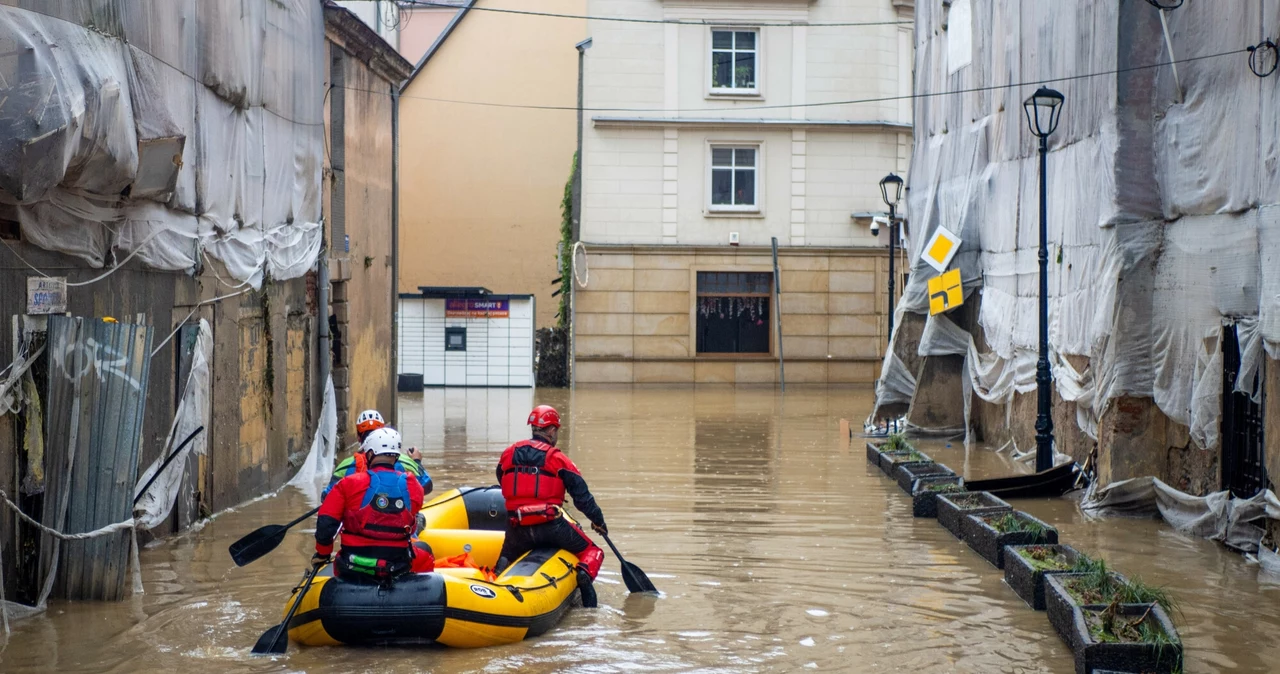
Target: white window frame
(712, 89)
(734, 209)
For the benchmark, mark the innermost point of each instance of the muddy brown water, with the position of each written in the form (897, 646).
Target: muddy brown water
(777, 546)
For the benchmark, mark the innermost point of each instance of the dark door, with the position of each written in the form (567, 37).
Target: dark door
(1244, 469)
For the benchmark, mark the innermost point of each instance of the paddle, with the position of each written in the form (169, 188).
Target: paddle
(166, 463)
(259, 542)
(276, 640)
(631, 574)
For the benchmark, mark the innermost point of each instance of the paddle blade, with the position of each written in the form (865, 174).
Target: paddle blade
(272, 642)
(635, 579)
(257, 544)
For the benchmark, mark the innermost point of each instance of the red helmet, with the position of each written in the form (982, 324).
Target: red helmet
(543, 416)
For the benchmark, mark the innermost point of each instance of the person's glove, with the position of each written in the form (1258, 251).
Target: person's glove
(600, 529)
(319, 559)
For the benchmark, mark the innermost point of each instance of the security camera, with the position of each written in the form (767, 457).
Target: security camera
(876, 222)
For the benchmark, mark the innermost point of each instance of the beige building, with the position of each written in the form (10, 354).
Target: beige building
(713, 128)
(481, 185)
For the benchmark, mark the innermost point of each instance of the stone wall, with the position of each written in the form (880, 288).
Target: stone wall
(635, 320)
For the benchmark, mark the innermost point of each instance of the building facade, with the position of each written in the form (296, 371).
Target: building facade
(482, 184)
(1161, 204)
(710, 130)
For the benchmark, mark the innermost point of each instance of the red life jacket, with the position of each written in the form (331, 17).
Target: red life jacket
(385, 515)
(531, 482)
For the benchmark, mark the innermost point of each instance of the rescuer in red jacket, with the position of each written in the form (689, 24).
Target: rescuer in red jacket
(376, 511)
(535, 477)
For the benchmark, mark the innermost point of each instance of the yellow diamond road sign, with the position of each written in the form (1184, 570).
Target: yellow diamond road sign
(945, 292)
(942, 246)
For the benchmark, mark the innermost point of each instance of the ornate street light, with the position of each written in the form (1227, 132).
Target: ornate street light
(891, 192)
(1043, 109)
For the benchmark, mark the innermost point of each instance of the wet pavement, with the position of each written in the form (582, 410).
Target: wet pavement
(777, 546)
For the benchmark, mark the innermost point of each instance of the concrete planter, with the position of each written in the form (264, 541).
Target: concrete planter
(907, 473)
(1061, 606)
(953, 508)
(889, 461)
(1026, 579)
(989, 542)
(873, 453)
(1092, 655)
(924, 503)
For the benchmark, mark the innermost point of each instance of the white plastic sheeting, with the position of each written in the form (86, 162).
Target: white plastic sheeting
(193, 412)
(316, 470)
(1162, 222)
(1235, 522)
(110, 98)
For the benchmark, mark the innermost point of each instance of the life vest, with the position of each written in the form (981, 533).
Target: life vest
(533, 491)
(385, 515)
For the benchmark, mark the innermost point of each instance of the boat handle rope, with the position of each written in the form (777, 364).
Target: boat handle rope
(458, 495)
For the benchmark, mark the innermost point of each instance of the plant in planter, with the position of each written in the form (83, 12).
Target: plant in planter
(953, 508)
(1089, 583)
(1025, 567)
(1128, 637)
(925, 490)
(889, 461)
(908, 473)
(896, 443)
(988, 534)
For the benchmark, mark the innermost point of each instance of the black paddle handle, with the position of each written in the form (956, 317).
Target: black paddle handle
(284, 626)
(308, 514)
(166, 463)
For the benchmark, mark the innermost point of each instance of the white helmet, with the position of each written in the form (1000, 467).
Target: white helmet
(382, 441)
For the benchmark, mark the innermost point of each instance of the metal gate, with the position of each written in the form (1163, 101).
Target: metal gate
(1244, 468)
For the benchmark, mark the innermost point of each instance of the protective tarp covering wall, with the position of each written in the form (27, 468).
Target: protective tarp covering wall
(169, 128)
(316, 471)
(1236, 522)
(152, 507)
(1162, 223)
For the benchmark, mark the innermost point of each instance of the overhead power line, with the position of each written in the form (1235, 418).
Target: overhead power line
(785, 106)
(684, 22)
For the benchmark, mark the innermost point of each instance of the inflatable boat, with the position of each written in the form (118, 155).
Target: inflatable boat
(463, 607)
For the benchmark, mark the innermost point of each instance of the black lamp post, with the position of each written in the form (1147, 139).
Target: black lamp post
(1042, 110)
(891, 192)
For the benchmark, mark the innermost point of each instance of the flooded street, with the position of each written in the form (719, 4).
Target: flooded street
(777, 546)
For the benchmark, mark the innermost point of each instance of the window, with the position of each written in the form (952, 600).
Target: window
(455, 339)
(733, 61)
(733, 178)
(733, 312)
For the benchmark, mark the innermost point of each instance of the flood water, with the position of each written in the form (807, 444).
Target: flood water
(777, 547)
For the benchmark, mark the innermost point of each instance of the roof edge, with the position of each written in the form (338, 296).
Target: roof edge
(439, 41)
(361, 41)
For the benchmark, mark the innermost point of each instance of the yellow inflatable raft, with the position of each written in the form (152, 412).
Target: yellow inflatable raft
(453, 606)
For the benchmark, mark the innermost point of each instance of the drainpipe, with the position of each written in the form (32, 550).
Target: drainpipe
(576, 211)
(322, 299)
(575, 214)
(395, 251)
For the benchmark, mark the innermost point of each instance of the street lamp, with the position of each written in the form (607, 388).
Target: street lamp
(891, 192)
(1042, 110)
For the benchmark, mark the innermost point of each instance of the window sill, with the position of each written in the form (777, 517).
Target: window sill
(745, 95)
(714, 213)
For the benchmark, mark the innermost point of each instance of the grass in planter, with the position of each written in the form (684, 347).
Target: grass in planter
(1108, 626)
(1044, 558)
(967, 500)
(897, 442)
(1009, 523)
(1138, 592)
(945, 488)
(1096, 586)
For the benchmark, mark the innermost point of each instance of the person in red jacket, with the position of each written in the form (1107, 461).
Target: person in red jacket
(376, 512)
(535, 476)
